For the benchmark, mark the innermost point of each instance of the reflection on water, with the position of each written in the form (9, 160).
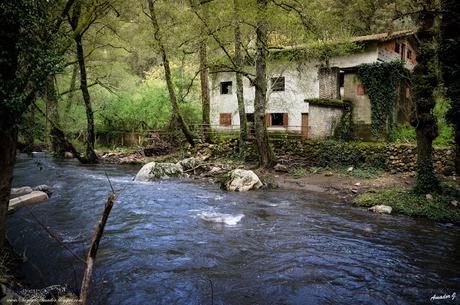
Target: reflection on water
(167, 242)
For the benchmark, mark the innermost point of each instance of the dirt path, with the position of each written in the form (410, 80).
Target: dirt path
(344, 186)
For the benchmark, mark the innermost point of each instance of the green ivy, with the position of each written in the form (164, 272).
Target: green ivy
(380, 81)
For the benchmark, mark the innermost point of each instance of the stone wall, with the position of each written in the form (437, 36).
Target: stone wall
(329, 83)
(394, 158)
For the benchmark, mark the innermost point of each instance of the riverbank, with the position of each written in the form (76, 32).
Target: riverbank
(361, 185)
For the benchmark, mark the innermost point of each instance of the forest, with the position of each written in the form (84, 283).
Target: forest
(92, 84)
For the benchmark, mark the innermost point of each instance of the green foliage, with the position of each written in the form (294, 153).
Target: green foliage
(381, 80)
(405, 202)
(403, 134)
(298, 172)
(406, 133)
(366, 172)
(328, 102)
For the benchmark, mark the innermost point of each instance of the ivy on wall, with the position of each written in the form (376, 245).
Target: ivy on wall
(380, 81)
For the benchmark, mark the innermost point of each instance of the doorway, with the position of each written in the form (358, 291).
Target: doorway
(304, 126)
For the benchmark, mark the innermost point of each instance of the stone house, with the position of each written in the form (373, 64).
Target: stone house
(297, 90)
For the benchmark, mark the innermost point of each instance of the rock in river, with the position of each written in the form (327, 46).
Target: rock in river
(240, 180)
(154, 170)
(25, 200)
(382, 209)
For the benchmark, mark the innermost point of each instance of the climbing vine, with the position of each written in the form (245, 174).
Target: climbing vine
(380, 81)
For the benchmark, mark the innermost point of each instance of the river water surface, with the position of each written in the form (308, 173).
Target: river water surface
(186, 242)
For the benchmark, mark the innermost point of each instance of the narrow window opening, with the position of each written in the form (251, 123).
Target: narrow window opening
(397, 47)
(226, 88)
(278, 83)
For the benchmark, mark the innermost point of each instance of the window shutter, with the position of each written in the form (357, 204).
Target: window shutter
(267, 119)
(285, 120)
(360, 89)
(225, 119)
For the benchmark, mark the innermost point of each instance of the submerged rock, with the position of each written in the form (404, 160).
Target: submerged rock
(382, 209)
(226, 219)
(25, 200)
(240, 180)
(154, 170)
(44, 188)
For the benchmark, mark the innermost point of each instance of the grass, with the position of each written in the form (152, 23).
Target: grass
(403, 201)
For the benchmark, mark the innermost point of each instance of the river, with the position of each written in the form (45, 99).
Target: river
(188, 242)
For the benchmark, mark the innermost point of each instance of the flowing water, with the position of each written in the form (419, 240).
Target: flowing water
(185, 242)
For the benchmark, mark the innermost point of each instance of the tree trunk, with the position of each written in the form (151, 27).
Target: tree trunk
(204, 79)
(73, 81)
(9, 35)
(51, 101)
(90, 135)
(424, 83)
(172, 95)
(8, 141)
(244, 135)
(450, 67)
(265, 153)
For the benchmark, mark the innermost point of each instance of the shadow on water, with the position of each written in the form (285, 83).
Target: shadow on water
(166, 242)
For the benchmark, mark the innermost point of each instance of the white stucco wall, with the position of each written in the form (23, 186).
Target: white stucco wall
(322, 121)
(301, 82)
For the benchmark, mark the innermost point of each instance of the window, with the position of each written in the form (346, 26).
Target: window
(360, 89)
(341, 79)
(397, 47)
(226, 88)
(225, 119)
(277, 119)
(250, 117)
(277, 83)
(409, 54)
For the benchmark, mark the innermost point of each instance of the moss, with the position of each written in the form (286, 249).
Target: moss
(405, 202)
(298, 172)
(328, 102)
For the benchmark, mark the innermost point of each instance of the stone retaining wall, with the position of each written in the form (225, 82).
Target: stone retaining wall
(391, 157)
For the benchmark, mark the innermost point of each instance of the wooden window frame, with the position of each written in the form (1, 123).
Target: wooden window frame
(285, 122)
(225, 119)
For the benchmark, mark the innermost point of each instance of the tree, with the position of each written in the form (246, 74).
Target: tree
(204, 79)
(167, 72)
(424, 82)
(29, 55)
(450, 66)
(266, 155)
(244, 134)
(80, 25)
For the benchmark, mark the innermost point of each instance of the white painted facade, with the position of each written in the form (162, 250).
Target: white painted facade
(301, 82)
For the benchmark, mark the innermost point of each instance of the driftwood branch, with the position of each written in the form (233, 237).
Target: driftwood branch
(56, 237)
(91, 258)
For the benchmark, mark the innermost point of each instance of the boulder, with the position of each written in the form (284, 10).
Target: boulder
(68, 155)
(44, 188)
(154, 170)
(281, 168)
(381, 209)
(20, 191)
(240, 180)
(26, 200)
(189, 163)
